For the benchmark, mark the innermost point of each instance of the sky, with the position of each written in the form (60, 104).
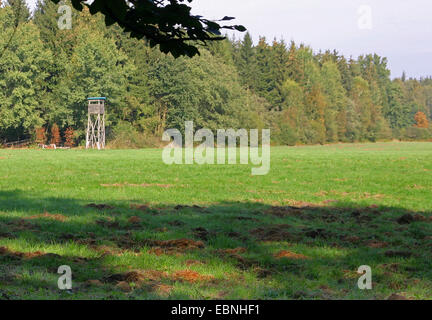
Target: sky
(400, 30)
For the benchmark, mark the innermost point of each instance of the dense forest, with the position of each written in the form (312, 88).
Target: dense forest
(303, 96)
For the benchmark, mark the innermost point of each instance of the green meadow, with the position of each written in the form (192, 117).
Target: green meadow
(131, 227)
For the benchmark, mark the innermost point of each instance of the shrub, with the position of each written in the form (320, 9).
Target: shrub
(416, 133)
(69, 137)
(41, 137)
(55, 135)
(284, 135)
(125, 136)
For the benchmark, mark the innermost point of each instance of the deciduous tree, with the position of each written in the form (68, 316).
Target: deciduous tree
(421, 120)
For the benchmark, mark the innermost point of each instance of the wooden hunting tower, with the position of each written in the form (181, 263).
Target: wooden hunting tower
(95, 136)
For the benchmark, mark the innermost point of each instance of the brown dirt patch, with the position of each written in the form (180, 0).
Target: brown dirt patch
(4, 251)
(377, 244)
(186, 244)
(350, 274)
(397, 296)
(360, 216)
(317, 233)
(231, 251)
(125, 241)
(101, 206)
(137, 276)
(290, 255)
(176, 223)
(416, 186)
(236, 235)
(367, 195)
(355, 213)
(340, 179)
(201, 233)
(156, 287)
(351, 239)
(86, 241)
(124, 286)
(193, 263)
(162, 289)
(108, 223)
(328, 201)
(402, 254)
(96, 283)
(405, 219)
(395, 285)
(173, 246)
(242, 262)
(220, 295)
(285, 211)
(20, 225)
(134, 220)
(7, 235)
(160, 251)
(321, 193)
(421, 218)
(194, 207)
(328, 217)
(107, 250)
(152, 275)
(140, 207)
(86, 238)
(263, 273)
(409, 218)
(46, 215)
(190, 276)
(272, 233)
(152, 279)
(80, 260)
(300, 204)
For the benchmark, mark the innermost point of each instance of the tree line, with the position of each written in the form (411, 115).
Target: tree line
(303, 96)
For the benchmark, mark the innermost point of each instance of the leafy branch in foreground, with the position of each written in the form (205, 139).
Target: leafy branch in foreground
(167, 23)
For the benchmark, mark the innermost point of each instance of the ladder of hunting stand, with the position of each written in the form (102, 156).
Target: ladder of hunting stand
(95, 135)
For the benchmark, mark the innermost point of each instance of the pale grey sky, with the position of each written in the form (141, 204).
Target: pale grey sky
(401, 30)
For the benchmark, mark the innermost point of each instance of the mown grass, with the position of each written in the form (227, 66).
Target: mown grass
(331, 209)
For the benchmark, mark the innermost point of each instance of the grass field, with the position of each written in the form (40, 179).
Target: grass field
(216, 232)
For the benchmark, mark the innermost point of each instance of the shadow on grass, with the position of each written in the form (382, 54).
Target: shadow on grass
(317, 245)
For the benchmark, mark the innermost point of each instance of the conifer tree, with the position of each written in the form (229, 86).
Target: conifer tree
(69, 137)
(40, 135)
(55, 135)
(246, 62)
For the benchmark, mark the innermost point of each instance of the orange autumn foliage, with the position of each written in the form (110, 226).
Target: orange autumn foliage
(40, 135)
(55, 135)
(69, 137)
(421, 120)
